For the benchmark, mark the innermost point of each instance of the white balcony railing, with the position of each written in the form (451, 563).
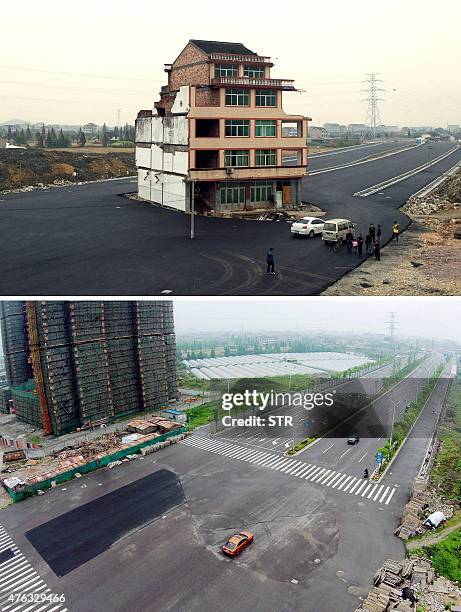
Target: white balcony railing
(256, 59)
(251, 82)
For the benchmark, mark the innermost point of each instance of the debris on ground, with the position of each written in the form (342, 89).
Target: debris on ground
(415, 579)
(423, 502)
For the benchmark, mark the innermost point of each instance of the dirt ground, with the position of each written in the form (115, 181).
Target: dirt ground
(22, 168)
(427, 258)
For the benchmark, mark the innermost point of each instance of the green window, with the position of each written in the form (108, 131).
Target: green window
(265, 127)
(225, 70)
(266, 97)
(266, 157)
(236, 157)
(261, 191)
(254, 72)
(237, 97)
(237, 127)
(232, 192)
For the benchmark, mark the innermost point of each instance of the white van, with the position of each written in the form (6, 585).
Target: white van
(335, 230)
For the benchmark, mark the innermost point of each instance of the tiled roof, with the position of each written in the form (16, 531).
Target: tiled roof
(216, 46)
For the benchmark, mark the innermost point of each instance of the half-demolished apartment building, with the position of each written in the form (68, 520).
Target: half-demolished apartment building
(219, 132)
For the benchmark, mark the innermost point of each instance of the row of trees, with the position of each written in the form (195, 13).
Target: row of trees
(52, 138)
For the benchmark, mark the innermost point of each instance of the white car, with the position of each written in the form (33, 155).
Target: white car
(307, 226)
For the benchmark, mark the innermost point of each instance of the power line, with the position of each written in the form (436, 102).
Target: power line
(373, 118)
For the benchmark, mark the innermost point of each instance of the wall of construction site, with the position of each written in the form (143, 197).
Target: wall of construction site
(26, 404)
(15, 342)
(97, 361)
(5, 397)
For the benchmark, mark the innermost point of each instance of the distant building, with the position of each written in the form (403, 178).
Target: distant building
(335, 130)
(454, 129)
(220, 127)
(90, 128)
(357, 128)
(317, 133)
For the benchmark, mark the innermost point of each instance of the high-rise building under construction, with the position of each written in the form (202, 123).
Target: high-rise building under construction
(73, 364)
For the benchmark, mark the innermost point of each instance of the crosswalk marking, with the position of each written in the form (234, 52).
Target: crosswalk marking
(344, 483)
(17, 576)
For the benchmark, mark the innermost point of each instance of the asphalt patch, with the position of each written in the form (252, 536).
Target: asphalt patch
(70, 540)
(6, 555)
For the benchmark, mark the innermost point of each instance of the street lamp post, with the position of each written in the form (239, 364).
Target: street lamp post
(429, 153)
(394, 406)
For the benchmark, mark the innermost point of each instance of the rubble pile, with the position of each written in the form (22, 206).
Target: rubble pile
(446, 197)
(434, 593)
(422, 504)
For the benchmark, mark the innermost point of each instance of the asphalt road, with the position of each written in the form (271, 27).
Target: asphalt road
(87, 240)
(315, 541)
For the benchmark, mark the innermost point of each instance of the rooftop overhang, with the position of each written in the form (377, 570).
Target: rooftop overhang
(285, 84)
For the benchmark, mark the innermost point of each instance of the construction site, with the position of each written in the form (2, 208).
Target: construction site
(76, 365)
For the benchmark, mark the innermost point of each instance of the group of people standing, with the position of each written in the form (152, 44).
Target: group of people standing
(372, 241)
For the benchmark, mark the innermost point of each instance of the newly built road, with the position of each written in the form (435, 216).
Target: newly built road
(147, 535)
(87, 240)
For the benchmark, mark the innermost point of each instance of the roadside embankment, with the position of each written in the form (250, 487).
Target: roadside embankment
(29, 169)
(427, 258)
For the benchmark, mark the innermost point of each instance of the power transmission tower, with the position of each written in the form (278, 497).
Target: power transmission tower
(373, 118)
(118, 118)
(392, 324)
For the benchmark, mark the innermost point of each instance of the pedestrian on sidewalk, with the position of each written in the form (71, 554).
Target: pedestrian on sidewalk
(377, 249)
(395, 231)
(368, 244)
(270, 261)
(349, 239)
(378, 233)
(372, 232)
(360, 245)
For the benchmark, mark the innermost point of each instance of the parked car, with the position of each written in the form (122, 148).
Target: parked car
(307, 226)
(335, 230)
(353, 440)
(237, 543)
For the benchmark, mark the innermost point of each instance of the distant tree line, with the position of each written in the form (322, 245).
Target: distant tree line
(54, 138)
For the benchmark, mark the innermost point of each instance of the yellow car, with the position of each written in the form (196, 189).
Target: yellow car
(237, 543)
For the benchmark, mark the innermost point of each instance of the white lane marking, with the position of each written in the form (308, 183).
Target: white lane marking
(345, 453)
(327, 449)
(363, 457)
(263, 439)
(332, 482)
(338, 482)
(390, 496)
(361, 487)
(372, 491)
(293, 467)
(367, 489)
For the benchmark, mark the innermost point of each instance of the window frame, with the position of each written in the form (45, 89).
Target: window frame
(266, 93)
(237, 91)
(247, 125)
(249, 67)
(237, 153)
(233, 186)
(272, 121)
(299, 154)
(267, 186)
(233, 68)
(265, 153)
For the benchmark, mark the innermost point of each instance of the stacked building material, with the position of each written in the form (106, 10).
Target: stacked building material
(15, 342)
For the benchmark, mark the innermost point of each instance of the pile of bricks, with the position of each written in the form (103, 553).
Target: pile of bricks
(433, 593)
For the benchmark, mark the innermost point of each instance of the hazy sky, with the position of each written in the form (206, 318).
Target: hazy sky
(79, 62)
(425, 317)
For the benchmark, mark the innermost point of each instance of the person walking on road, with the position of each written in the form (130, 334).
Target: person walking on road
(378, 233)
(372, 232)
(368, 244)
(349, 239)
(270, 261)
(377, 249)
(360, 245)
(395, 231)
